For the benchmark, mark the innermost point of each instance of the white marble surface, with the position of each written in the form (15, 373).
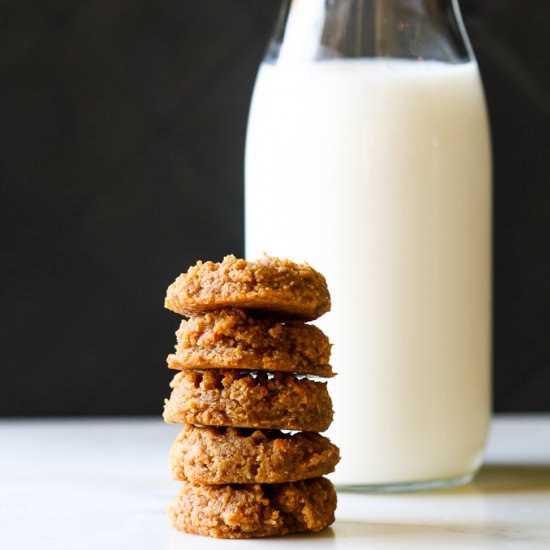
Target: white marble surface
(103, 484)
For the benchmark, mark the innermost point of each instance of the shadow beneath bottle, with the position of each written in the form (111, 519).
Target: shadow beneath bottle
(506, 478)
(471, 515)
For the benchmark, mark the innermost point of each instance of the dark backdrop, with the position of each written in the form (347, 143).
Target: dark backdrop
(122, 126)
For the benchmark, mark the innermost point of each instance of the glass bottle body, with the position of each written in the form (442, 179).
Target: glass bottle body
(368, 156)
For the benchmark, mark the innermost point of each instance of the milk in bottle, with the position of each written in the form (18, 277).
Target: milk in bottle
(376, 171)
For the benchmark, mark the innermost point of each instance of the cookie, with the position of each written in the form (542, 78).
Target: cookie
(246, 511)
(233, 339)
(239, 399)
(280, 287)
(239, 455)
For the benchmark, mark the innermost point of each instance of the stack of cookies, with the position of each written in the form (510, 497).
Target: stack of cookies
(245, 355)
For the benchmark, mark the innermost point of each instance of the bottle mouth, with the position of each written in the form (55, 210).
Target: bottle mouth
(416, 30)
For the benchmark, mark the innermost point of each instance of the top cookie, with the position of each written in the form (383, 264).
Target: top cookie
(279, 287)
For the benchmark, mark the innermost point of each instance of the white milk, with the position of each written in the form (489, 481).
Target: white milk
(377, 173)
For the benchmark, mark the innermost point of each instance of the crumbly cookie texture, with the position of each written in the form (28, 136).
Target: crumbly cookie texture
(283, 288)
(235, 455)
(239, 399)
(234, 339)
(246, 511)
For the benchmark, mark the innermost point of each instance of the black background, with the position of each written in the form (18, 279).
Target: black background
(122, 126)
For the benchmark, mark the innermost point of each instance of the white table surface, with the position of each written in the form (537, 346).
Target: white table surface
(103, 484)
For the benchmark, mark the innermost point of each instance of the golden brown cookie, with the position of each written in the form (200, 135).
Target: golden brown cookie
(239, 399)
(239, 455)
(233, 339)
(248, 511)
(280, 287)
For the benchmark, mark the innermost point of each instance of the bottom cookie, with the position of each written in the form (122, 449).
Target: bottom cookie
(249, 511)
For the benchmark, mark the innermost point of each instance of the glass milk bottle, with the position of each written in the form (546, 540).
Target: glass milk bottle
(368, 156)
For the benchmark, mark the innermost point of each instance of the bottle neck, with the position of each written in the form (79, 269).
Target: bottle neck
(420, 30)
